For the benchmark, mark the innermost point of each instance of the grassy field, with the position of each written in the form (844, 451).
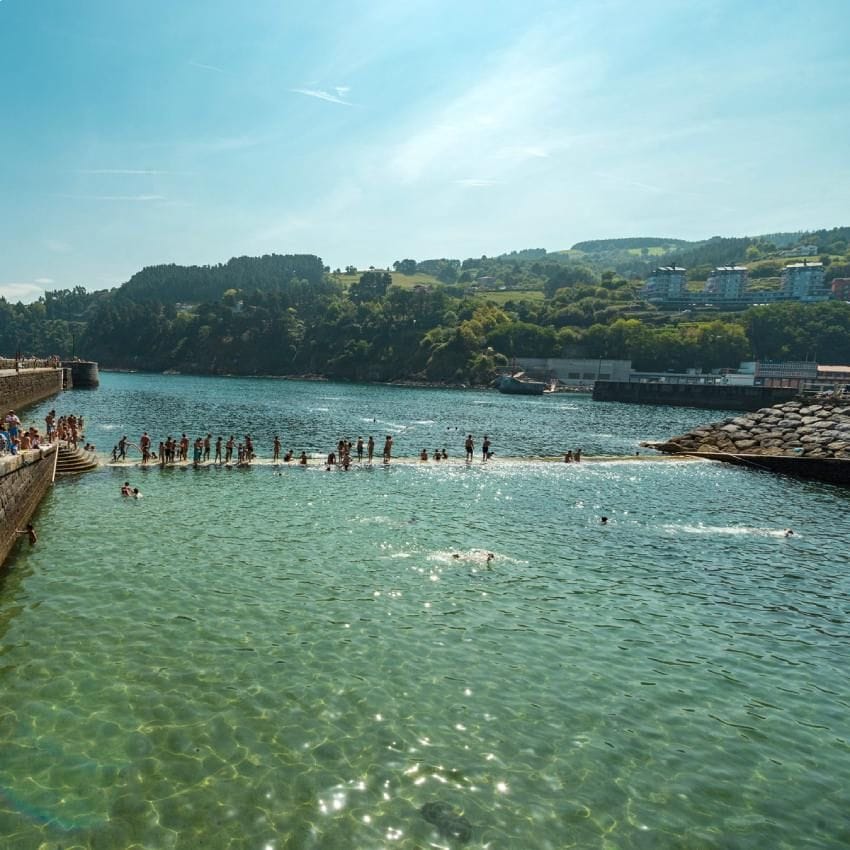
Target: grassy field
(654, 251)
(408, 281)
(503, 297)
(405, 281)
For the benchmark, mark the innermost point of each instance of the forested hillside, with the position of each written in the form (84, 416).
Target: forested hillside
(439, 320)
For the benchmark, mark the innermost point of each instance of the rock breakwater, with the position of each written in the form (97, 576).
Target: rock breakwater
(793, 429)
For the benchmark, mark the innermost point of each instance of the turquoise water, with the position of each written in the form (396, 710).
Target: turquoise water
(246, 659)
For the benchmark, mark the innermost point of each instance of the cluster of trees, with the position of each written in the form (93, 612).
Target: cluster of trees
(288, 315)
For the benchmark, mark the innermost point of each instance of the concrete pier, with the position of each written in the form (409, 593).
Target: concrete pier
(84, 373)
(716, 396)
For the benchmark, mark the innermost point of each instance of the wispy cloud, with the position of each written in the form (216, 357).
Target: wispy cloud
(57, 246)
(510, 115)
(475, 182)
(231, 143)
(321, 94)
(44, 281)
(18, 291)
(120, 171)
(203, 66)
(130, 198)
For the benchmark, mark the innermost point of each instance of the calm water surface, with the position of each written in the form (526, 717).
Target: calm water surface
(296, 659)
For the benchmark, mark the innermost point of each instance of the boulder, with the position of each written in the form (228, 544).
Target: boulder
(743, 445)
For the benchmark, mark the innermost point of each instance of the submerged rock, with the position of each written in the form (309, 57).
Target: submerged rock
(449, 822)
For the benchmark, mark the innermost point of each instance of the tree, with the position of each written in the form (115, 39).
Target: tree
(407, 267)
(371, 286)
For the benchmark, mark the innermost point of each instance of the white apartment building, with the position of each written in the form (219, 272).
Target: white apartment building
(804, 282)
(665, 283)
(727, 282)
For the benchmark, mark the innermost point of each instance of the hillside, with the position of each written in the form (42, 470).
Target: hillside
(439, 319)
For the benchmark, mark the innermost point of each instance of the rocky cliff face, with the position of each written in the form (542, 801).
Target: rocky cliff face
(793, 429)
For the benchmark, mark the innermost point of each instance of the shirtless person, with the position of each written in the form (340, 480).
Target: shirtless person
(276, 449)
(469, 445)
(370, 448)
(145, 446)
(30, 533)
(388, 448)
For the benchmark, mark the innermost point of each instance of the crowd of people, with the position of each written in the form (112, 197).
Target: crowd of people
(241, 452)
(15, 438)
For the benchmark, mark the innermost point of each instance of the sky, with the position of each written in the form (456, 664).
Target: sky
(369, 131)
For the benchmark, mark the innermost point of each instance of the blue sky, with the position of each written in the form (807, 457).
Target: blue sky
(366, 131)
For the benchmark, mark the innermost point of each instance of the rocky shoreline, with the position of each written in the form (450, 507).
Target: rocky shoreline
(798, 429)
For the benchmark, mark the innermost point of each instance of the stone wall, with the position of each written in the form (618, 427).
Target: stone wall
(24, 479)
(28, 387)
(84, 373)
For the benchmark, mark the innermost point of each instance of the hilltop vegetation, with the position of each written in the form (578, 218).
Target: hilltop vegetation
(443, 320)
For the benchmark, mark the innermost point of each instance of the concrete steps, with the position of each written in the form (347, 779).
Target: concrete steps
(74, 461)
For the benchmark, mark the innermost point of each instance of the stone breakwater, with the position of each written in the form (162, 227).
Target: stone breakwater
(792, 429)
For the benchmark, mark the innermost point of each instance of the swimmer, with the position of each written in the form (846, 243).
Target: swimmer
(490, 557)
(125, 489)
(603, 520)
(789, 532)
(136, 493)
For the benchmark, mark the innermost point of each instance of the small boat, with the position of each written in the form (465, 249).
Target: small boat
(519, 384)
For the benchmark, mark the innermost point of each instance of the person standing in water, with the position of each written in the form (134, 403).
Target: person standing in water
(388, 448)
(30, 533)
(276, 449)
(469, 445)
(370, 448)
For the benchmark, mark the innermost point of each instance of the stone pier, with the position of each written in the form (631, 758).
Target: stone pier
(24, 480)
(29, 386)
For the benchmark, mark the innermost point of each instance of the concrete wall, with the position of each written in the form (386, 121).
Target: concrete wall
(24, 479)
(717, 396)
(28, 387)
